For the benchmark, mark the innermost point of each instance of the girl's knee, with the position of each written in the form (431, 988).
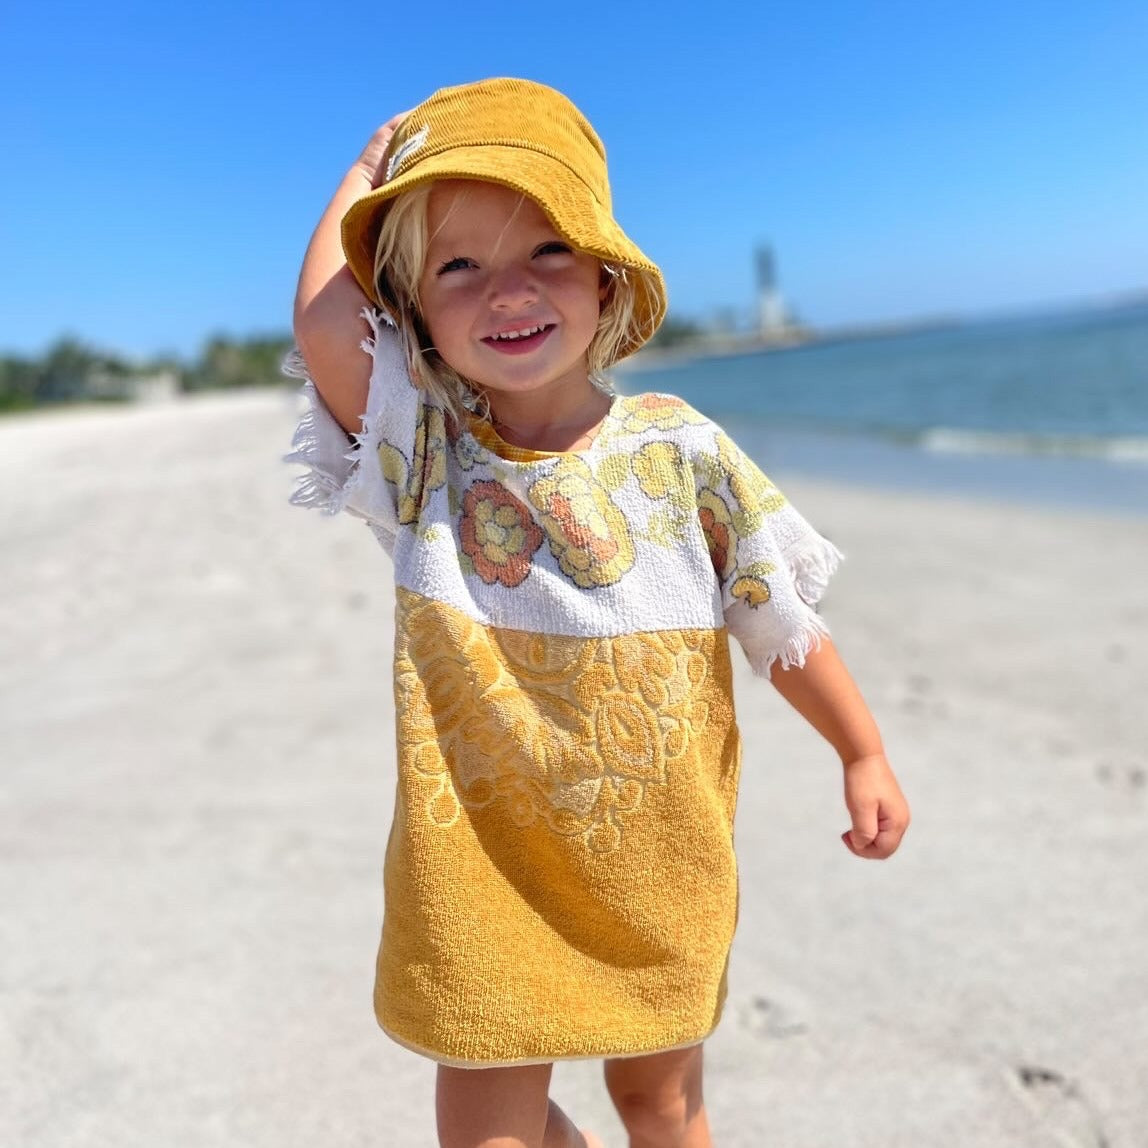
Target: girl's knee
(652, 1119)
(657, 1097)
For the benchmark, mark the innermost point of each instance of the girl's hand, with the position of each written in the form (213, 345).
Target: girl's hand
(879, 810)
(370, 162)
(328, 300)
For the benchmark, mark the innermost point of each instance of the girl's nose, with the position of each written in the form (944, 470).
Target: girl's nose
(511, 288)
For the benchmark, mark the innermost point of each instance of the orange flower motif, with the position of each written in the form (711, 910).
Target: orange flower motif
(721, 538)
(498, 534)
(586, 531)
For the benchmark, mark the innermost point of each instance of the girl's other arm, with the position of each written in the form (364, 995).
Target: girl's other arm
(824, 693)
(328, 301)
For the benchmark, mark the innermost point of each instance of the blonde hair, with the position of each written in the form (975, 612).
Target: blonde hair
(400, 256)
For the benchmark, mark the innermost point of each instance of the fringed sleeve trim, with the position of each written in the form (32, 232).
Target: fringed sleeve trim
(320, 444)
(793, 651)
(339, 475)
(813, 561)
(788, 628)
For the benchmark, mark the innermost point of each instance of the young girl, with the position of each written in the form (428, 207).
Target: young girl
(560, 878)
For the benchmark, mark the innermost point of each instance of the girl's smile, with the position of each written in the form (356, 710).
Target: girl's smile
(506, 300)
(519, 341)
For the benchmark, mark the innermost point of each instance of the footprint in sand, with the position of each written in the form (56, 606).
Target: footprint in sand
(1128, 776)
(918, 697)
(761, 1017)
(1060, 1105)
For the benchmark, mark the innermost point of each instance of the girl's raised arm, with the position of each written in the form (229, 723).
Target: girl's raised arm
(328, 301)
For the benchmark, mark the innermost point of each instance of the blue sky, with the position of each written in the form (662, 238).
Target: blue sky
(164, 164)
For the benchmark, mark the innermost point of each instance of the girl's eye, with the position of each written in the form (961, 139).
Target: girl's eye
(555, 247)
(458, 263)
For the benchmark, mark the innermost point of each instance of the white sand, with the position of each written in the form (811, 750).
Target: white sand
(197, 775)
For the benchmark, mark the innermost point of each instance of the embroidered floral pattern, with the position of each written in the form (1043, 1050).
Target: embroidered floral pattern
(665, 412)
(658, 469)
(614, 470)
(587, 533)
(756, 496)
(427, 469)
(498, 534)
(717, 526)
(751, 586)
(565, 733)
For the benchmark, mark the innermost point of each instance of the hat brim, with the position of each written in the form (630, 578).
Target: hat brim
(567, 201)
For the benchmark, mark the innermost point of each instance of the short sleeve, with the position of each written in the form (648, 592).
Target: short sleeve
(772, 566)
(363, 474)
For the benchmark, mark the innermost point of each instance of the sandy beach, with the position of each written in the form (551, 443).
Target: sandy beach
(197, 771)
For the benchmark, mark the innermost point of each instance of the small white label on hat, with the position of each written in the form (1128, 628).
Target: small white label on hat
(406, 151)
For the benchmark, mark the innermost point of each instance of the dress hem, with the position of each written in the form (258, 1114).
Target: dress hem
(457, 1062)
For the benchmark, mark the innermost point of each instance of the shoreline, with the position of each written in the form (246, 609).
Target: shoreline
(1085, 485)
(797, 335)
(942, 464)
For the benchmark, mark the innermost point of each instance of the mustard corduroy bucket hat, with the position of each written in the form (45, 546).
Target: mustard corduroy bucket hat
(525, 136)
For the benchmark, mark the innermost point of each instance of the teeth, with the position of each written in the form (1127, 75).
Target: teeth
(518, 334)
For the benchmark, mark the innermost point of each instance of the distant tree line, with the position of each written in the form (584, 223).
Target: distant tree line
(71, 371)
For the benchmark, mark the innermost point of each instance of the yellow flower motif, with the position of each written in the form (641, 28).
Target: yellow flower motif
(751, 586)
(427, 470)
(658, 468)
(588, 534)
(614, 470)
(756, 496)
(394, 464)
(753, 592)
(643, 412)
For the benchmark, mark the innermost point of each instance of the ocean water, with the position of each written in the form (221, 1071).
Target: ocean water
(1048, 409)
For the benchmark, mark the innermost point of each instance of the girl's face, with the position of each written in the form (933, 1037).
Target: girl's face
(507, 302)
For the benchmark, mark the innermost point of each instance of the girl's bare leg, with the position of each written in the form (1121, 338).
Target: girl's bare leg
(502, 1108)
(659, 1099)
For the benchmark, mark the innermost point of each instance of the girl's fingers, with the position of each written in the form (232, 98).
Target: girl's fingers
(882, 844)
(865, 826)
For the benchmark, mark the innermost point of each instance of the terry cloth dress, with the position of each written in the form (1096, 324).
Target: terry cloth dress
(560, 878)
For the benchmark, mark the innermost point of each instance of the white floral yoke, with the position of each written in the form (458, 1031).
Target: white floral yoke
(560, 879)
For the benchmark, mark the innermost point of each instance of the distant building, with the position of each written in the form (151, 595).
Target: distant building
(160, 386)
(772, 314)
